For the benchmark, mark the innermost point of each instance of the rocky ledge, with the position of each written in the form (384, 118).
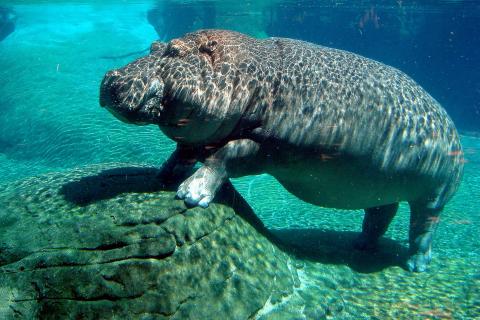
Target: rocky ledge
(108, 242)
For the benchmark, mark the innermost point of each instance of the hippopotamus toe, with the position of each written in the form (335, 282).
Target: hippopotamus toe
(194, 197)
(419, 262)
(200, 188)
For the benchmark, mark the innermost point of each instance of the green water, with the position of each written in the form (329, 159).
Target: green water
(50, 120)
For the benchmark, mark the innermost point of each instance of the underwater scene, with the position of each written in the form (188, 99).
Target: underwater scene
(267, 159)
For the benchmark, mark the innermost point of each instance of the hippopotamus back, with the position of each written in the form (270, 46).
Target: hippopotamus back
(342, 104)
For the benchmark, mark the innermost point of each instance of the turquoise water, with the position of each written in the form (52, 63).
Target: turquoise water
(50, 121)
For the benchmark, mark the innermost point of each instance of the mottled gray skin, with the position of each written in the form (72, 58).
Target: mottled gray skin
(334, 128)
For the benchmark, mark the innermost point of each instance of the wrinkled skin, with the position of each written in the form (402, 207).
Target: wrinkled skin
(334, 128)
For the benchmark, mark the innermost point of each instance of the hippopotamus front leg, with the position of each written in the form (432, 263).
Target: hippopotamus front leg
(179, 165)
(423, 223)
(233, 159)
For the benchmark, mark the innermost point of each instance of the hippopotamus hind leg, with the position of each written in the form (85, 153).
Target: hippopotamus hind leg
(375, 224)
(423, 223)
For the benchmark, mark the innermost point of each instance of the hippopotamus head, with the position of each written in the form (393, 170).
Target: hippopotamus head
(192, 87)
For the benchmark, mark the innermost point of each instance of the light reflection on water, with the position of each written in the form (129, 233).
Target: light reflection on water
(51, 66)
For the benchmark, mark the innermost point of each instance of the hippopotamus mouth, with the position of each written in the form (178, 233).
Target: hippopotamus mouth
(133, 100)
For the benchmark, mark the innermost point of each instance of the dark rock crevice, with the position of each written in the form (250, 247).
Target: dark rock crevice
(101, 298)
(107, 246)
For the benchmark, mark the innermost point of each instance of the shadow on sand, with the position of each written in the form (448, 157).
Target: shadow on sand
(324, 246)
(336, 247)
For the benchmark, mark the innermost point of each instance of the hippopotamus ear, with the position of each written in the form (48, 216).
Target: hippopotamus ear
(208, 47)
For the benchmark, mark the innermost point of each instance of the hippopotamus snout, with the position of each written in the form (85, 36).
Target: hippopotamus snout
(108, 89)
(132, 97)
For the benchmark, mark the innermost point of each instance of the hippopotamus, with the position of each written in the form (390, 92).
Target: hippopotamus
(334, 128)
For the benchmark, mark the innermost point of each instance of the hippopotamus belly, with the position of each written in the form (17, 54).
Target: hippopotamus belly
(345, 186)
(334, 128)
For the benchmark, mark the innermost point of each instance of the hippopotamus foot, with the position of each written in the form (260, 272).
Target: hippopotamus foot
(419, 262)
(423, 223)
(233, 159)
(201, 187)
(375, 225)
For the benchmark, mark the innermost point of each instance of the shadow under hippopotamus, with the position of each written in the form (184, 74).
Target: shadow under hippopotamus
(337, 247)
(317, 245)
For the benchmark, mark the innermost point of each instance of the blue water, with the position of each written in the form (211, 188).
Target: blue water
(52, 62)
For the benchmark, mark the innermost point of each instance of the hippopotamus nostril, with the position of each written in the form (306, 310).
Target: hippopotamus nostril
(112, 74)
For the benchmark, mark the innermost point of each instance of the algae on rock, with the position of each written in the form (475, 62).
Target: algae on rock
(109, 242)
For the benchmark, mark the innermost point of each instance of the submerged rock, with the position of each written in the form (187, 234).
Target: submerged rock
(108, 243)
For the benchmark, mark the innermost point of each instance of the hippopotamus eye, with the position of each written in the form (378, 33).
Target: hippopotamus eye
(157, 46)
(175, 48)
(208, 47)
